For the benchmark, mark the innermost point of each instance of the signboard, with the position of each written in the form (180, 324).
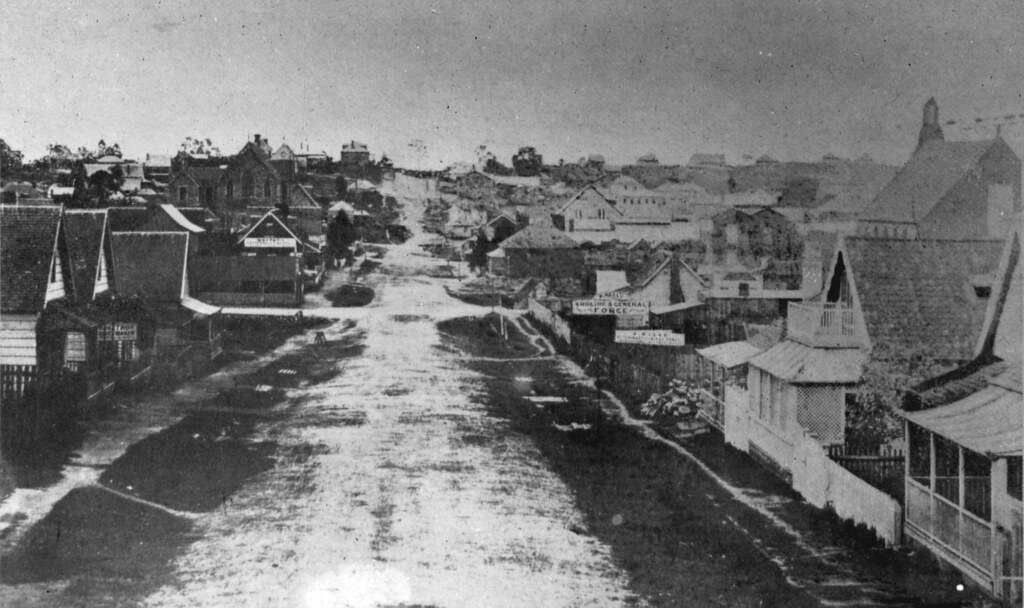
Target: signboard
(116, 332)
(269, 242)
(609, 306)
(655, 337)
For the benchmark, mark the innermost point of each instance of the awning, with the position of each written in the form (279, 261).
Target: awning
(200, 307)
(990, 421)
(667, 308)
(730, 354)
(799, 364)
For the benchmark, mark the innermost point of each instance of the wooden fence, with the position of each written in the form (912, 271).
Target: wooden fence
(882, 470)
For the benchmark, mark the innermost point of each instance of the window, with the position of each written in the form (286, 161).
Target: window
(74, 350)
(919, 450)
(744, 290)
(208, 195)
(1013, 476)
(182, 194)
(266, 189)
(947, 469)
(231, 190)
(977, 486)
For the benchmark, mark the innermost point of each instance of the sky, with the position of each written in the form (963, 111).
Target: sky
(793, 79)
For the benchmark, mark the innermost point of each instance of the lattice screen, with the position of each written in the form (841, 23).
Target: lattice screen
(821, 411)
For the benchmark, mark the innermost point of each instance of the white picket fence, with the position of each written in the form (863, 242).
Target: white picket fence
(821, 481)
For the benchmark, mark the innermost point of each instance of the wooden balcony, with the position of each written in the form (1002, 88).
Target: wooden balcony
(824, 324)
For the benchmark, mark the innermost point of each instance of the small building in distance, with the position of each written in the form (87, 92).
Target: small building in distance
(540, 251)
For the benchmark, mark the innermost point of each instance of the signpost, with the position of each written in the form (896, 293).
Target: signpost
(654, 337)
(610, 306)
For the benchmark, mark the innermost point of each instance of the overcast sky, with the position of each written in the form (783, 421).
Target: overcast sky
(789, 78)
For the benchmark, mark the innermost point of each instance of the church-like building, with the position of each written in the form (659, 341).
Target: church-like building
(948, 189)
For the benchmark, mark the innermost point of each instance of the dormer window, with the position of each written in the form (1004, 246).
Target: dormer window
(982, 291)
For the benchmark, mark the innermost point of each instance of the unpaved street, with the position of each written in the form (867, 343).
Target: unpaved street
(405, 464)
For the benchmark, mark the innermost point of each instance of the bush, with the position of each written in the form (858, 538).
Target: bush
(681, 400)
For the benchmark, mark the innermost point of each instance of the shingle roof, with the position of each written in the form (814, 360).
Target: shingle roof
(150, 264)
(206, 175)
(929, 174)
(917, 295)
(83, 232)
(26, 249)
(127, 219)
(539, 236)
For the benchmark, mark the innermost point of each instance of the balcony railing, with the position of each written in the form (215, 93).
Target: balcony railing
(823, 324)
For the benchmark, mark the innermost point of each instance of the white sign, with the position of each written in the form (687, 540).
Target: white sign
(117, 332)
(609, 306)
(269, 242)
(656, 337)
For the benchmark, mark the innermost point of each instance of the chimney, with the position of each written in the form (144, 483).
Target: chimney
(930, 128)
(256, 139)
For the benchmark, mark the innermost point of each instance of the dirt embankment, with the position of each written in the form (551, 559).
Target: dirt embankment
(483, 337)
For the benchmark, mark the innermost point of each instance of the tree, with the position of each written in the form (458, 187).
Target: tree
(527, 162)
(195, 145)
(10, 159)
(340, 186)
(871, 417)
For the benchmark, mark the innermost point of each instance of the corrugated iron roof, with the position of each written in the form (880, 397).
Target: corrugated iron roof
(990, 421)
(730, 354)
(799, 364)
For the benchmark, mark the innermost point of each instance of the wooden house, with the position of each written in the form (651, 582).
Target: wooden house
(540, 251)
(270, 266)
(33, 280)
(965, 434)
(888, 301)
(666, 280)
(722, 369)
(589, 210)
(116, 333)
(153, 267)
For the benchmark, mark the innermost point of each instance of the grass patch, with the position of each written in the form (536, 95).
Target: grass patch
(109, 546)
(194, 465)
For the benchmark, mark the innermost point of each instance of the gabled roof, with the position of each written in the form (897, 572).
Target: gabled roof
(930, 173)
(656, 266)
(27, 238)
(501, 217)
(254, 150)
(538, 236)
(269, 216)
(150, 264)
(301, 198)
(918, 296)
(83, 233)
(579, 195)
